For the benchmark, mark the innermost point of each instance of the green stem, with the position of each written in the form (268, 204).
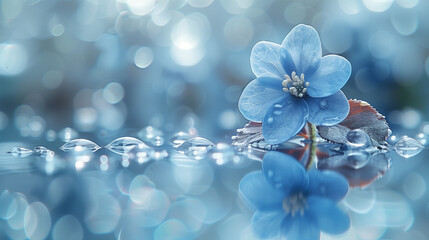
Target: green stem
(312, 129)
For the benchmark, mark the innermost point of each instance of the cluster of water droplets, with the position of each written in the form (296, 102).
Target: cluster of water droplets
(36, 151)
(404, 146)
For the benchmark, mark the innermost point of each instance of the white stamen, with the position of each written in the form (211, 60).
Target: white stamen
(294, 204)
(298, 86)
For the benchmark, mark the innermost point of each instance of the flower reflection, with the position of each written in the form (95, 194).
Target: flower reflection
(293, 203)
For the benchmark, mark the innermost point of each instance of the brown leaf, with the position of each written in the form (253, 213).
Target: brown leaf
(361, 116)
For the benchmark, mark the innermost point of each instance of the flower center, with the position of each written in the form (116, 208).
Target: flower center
(294, 84)
(295, 203)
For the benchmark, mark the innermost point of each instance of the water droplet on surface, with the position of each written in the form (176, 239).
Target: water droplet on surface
(79, 145)
(21, 152)
(408, 147)
(124, 145)
(67, 134)
(179, 138)
(270, 120)
(358, 139)
(196, 147)
(44, 152)
(151, 135)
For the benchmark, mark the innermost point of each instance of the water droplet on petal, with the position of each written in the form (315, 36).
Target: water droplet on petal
(67, 134)
(179, 138)
(124, 145)
(270, 173)
(277, 112)
(79, 145)
(196, 147)
(324, 104)
(408, 147)
(270, 120)
(21, 152)
(358, 139)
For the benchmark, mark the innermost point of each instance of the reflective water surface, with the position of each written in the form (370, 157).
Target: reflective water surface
(192, 188)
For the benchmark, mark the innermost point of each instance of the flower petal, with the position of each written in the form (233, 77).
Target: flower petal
(328, 216)
(284, 172)
(301, 227)
(328, 184)
(303, 44)
(258, 194)
(268, 224)
(333, 73)
(328, 111)
(259, 96)
(284, 119)
(268, 58)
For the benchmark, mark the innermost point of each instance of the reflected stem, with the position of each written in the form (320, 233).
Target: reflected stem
(313, 132)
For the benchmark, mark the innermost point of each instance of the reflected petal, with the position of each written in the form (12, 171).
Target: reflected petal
(328, 184)
(329, 217)
(284, 172)
(257, 98)
(268, 224)
(301, 227)
(257, 193)
(333, 73)
(328, 111)
(268, 58)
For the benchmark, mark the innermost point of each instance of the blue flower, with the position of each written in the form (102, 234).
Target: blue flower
(293, 203)
(295, 84)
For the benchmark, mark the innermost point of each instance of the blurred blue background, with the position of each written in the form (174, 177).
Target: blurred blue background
(178, 64)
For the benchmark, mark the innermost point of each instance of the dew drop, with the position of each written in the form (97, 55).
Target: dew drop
(278, 105)
(179, 138)
(408, 147)
(270, 173)
(277, 112)
(124, 145)
(270, 120)
(79, 145)
(21, 152)
(324, 104)
(67, 134)
(358, 139)
(196, 147)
